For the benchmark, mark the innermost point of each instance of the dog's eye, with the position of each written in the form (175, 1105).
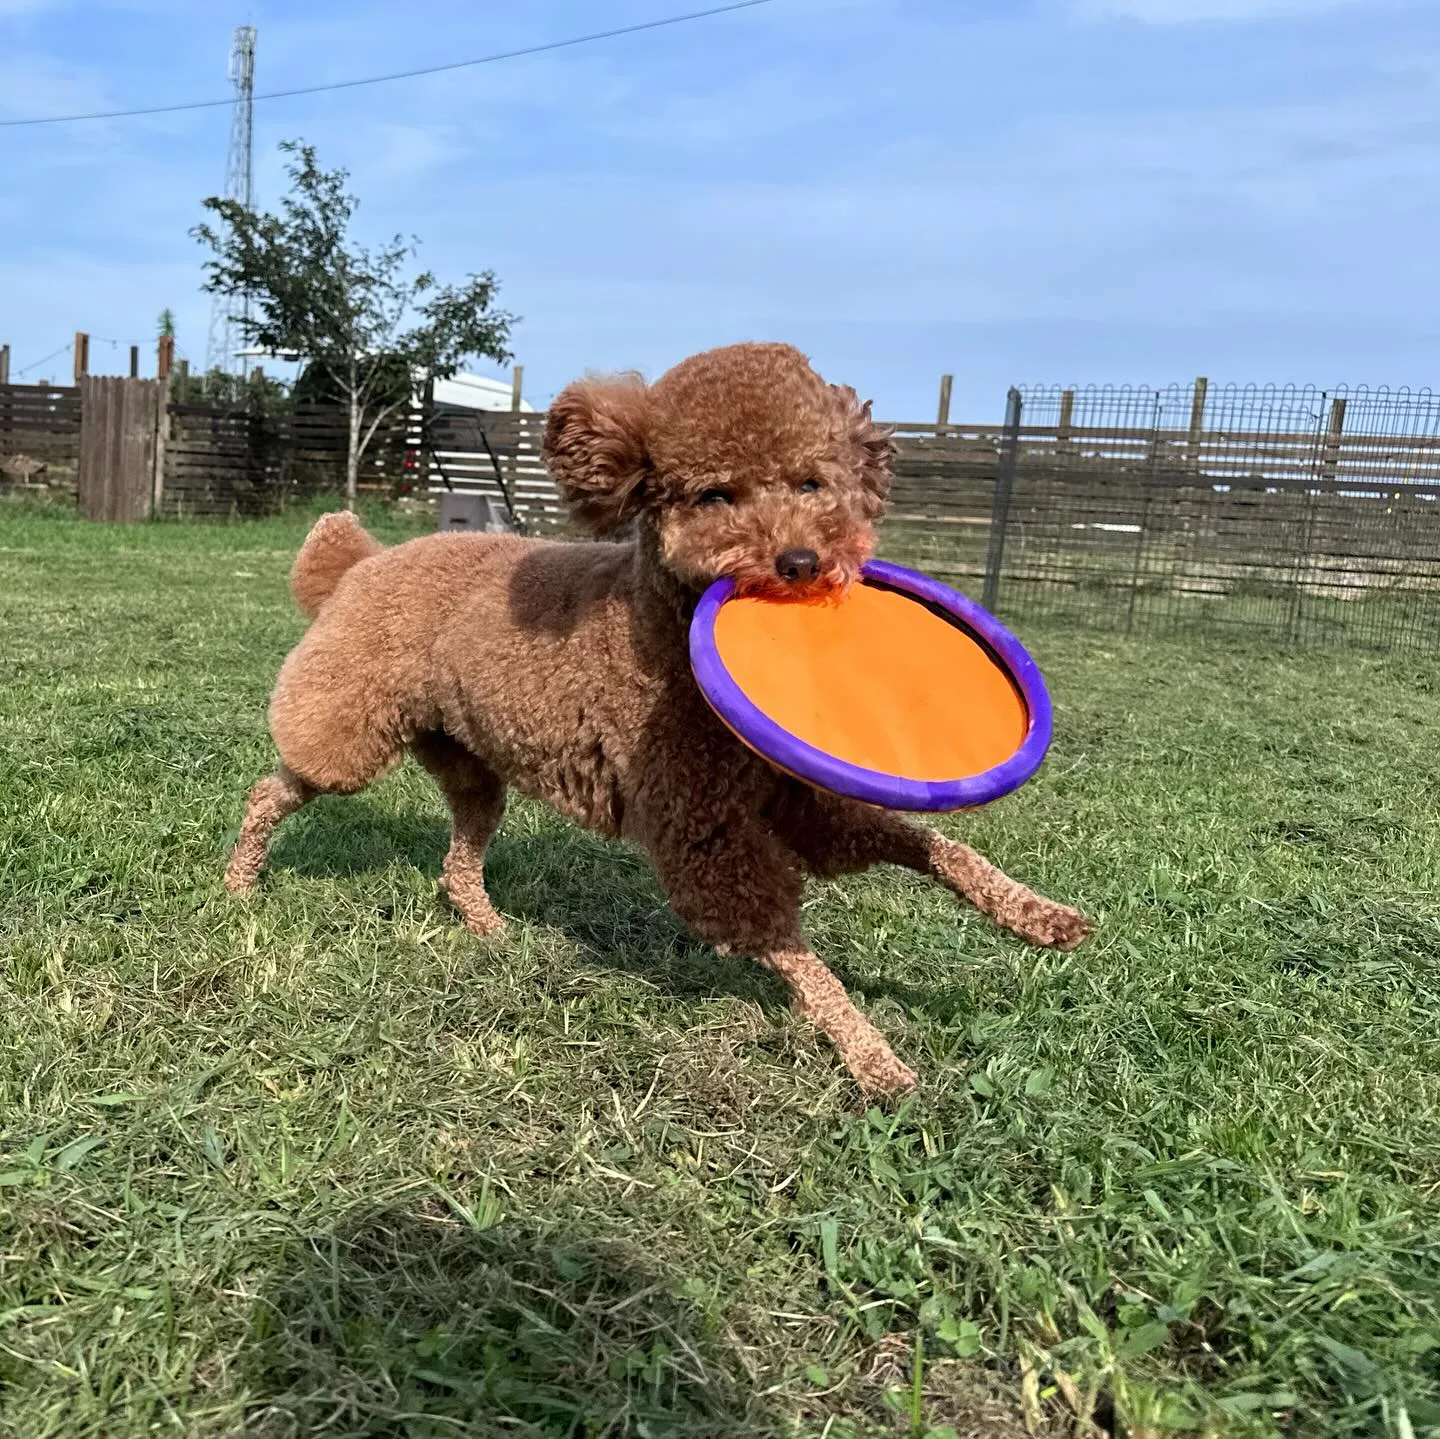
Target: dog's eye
(716, 497)
(809, 487)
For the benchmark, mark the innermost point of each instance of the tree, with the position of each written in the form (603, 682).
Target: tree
(256, 391)
(348, 312)
(165, 325)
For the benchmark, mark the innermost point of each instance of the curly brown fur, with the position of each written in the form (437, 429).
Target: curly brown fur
(562, 670)
(335, 543)
(275, 796)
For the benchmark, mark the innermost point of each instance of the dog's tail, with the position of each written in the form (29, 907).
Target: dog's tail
(335, 544)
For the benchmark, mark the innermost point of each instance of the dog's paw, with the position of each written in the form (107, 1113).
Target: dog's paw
(468, 897)
(882, 1076)
(1054, 926)
(239, 884)
(484, 926)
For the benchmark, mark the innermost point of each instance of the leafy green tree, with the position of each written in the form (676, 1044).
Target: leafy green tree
(255, 391)
(350, 313)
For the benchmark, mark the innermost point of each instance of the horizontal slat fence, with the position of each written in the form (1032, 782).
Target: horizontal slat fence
(941, 500)
(495, 454)
(39, 438)
(221, 462)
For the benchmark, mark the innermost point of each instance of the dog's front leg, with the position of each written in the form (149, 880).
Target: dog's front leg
(737, 888)
(821, 998)
(834, 836)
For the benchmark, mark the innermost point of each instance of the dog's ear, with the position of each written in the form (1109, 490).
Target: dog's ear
(595, 449)
(872, 445)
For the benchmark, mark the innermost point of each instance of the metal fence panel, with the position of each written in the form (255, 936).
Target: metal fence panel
(1291, 514)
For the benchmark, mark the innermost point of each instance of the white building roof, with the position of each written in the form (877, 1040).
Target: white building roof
(473, 392)
(477, 392)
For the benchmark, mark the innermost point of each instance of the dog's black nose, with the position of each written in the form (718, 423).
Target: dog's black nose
(798, 565)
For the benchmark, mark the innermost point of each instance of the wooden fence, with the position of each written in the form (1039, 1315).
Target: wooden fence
(120, 426)
(1297, 514)
(1293, 513)
(109, 445)
(39, 438)
(221, 462)
(495, 454)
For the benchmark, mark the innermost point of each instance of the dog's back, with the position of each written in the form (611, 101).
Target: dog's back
(494, 639)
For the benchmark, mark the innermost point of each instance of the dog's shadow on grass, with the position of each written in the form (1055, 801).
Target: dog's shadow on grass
(356, 835)
(602, 896)
(419, 1322)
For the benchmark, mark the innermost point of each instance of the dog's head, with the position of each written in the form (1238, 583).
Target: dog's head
(744, 461)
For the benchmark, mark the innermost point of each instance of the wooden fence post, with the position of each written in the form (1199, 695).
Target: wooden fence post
(1197, 418)
(1004, 493)
(134, 362)
(1330, 458)
(1067, 416)
(162, 439)
(164, 356)
(942, 418)
(182, 387)
(81, 351)
(4, 364)
(517, 378)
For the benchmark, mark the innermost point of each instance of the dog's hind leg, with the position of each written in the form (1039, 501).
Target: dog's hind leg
(834, 836)
(337, 729)
(276, 796)
(476, 798)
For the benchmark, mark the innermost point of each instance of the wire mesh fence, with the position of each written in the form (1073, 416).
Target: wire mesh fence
(1301, 515)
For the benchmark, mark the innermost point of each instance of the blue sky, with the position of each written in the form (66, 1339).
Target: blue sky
(1009, 190)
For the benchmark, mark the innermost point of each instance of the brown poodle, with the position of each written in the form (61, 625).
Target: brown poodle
(562, 669)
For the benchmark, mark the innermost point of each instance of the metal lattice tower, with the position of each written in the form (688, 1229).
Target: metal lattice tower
(223, 345)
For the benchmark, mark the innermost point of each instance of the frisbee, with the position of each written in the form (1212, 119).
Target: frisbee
(901, 693)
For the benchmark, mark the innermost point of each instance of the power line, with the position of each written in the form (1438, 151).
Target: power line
(53, 355)
(399, 74)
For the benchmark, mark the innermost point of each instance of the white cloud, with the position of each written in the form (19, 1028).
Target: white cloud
(1190, 12)
(397, 154)
(34, 85)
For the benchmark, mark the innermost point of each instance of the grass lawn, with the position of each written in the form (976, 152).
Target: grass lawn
(323, 1164)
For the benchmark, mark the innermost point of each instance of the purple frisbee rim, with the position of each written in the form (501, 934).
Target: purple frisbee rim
(754, 728)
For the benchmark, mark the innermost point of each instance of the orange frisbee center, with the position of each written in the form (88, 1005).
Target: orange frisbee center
(875, 679)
